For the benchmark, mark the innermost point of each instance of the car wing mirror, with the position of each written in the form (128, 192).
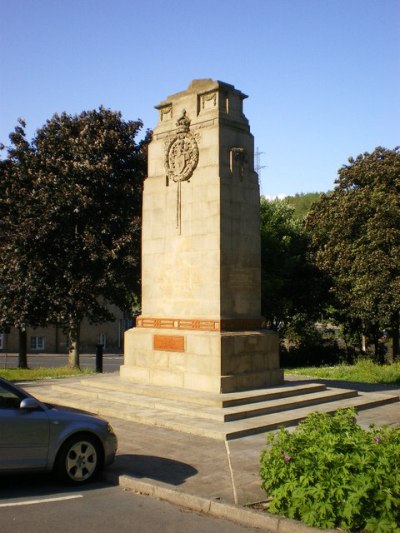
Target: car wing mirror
(29, 403)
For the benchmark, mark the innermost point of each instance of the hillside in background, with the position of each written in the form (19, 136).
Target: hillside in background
(302, 202)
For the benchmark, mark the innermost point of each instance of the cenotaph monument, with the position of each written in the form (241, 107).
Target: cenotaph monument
(200, 326)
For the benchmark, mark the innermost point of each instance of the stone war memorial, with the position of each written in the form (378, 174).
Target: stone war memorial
(199, 360)
(201, 326)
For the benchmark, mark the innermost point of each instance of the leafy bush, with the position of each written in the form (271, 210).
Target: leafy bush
(329, 472)
(311, 355)
(306, 344)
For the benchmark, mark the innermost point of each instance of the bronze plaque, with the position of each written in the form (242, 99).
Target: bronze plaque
(169, 343)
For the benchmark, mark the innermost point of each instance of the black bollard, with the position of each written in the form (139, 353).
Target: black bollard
(99, 358)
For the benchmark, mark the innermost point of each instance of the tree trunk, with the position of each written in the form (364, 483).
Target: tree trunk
(22, 348)
(73, 355)
(363, 343)
(377, 354)
(396, 335)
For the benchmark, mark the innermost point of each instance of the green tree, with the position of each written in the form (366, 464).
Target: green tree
(356, 240)
(293, 289)
(79, 219)
(21, 302)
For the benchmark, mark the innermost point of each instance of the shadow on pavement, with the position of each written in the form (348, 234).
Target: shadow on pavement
(31, 485)
(153, 467)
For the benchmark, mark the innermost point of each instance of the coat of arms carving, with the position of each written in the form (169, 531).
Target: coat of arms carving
(181, 158)
(182, 153)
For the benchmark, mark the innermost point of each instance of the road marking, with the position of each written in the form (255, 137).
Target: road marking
(44, 500)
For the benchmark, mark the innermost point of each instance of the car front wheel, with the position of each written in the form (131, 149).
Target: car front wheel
(78, 460)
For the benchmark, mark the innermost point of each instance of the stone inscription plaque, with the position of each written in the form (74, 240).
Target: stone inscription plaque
(169, 343)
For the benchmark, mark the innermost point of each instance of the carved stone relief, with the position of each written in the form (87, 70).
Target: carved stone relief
(165, 112)
(207, 101)
(181, 152)
(238, 162)
(181, 158)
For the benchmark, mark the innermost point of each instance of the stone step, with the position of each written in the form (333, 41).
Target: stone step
(236, 412)
(289, 418)
(286, 404)
(114, 383)
(211, 428)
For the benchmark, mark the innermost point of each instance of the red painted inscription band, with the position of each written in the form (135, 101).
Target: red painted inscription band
(227, 324)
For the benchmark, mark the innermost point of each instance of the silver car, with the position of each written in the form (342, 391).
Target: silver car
(38, 436)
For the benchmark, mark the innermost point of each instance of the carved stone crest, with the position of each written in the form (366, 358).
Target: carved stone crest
(182, 153)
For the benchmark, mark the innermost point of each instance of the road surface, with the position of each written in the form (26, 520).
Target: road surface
(111, 362)
(38, 504)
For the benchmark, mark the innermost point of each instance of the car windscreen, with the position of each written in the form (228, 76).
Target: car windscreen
(10, 398)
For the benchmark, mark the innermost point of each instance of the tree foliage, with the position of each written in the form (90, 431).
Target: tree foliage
(71, 214)
(293, 290)
(356, 239)
(21, 297)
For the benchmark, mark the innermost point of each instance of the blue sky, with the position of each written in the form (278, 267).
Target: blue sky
(323, 76)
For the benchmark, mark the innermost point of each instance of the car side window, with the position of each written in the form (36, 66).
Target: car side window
(9, 399)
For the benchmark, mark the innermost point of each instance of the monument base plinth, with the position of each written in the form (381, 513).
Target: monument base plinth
(211, 361)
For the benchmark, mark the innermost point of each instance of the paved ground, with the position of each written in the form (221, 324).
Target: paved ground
(196, 471)
(226, 471)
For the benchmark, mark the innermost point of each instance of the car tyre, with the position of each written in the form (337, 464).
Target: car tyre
(79, 459)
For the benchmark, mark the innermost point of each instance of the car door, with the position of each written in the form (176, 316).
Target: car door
(24, 433)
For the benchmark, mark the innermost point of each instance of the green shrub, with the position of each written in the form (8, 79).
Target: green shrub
(329, 472)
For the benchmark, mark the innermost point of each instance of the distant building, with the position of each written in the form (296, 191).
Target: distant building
(52, 339)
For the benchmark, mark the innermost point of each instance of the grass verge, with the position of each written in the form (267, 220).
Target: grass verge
(364, 371)
(27, 374)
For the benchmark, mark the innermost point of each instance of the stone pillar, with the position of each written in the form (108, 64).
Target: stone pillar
(201, 326)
